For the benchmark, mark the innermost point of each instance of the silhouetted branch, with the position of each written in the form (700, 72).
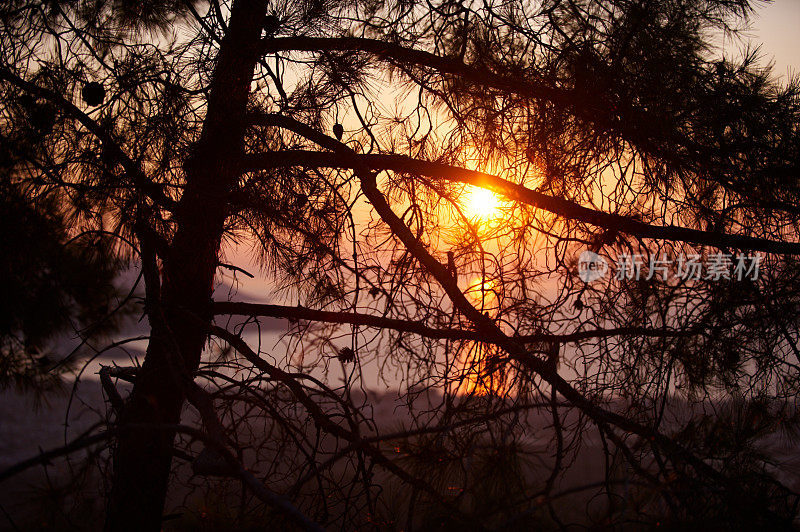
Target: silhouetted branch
(559, 206)
(152, 190)
(416, 327)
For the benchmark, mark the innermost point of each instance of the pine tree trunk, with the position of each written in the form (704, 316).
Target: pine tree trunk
(143, 451)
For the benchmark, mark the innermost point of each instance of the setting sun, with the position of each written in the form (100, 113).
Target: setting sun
(324, 265)
(481, 203)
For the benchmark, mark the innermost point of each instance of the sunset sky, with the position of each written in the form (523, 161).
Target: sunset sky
(777, 27)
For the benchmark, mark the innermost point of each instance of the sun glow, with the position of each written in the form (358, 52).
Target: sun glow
(481, 292)
(481, 203)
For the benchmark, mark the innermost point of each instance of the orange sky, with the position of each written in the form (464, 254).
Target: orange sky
(777, 26)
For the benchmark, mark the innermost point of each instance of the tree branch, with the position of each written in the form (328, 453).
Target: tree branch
(152, 190)
(415, 327)
(558, 206)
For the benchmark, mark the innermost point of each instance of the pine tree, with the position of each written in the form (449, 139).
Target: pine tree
(342, 139)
